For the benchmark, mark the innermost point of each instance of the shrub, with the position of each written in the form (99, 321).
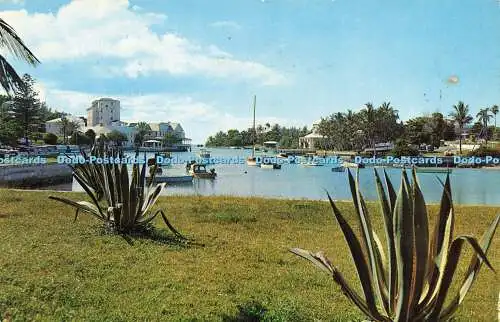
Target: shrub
(412, 282)
(402, 148)
(127, 206)
(483, 151)
(50, 138)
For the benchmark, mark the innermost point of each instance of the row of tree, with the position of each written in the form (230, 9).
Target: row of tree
(287, 137)
(363, 129)
(358, 130)
(23, 114)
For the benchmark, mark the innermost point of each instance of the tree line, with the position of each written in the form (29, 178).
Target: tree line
(357, 130)
(287, 137)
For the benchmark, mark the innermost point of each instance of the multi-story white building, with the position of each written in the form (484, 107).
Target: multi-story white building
(103, 112)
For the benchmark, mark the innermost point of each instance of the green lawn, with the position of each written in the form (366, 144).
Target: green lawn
(54, 269)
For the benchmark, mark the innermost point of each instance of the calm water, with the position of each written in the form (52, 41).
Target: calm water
(469, 186)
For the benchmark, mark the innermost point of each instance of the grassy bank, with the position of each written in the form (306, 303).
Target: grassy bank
(54, 269)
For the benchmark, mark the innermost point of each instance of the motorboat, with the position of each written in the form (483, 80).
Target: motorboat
(205, 154)
(338, 169)
(200, 171)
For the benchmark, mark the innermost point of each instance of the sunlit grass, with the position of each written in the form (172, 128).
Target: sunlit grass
(54, 269)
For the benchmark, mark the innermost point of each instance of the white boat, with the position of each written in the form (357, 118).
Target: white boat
(205, 154)
(353, 165)
(269, 164)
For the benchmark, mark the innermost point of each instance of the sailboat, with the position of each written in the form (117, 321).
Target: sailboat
(252, 160)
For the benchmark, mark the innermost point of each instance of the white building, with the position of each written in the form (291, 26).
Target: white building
(104, 112)
(313, 140)
(55, 126)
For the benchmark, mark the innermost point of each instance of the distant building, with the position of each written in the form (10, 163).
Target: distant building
(55, 126)
(313, 140)
(159, 130)
(103, 117)
(103, 112)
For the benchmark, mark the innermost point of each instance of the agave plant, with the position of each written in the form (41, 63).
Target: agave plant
(412, 282)
(127, 204)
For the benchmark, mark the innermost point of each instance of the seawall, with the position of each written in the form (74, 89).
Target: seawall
(34, 175)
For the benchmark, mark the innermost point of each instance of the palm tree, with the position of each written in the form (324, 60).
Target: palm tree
(461, 117)
(369, 116)
(484, 118)
(143, 129)
(494, 110)
(9, 79)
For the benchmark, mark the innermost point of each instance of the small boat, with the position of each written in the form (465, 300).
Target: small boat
(200, 171)
(268, 162)
(313, 164)
(289, 158)
(173, 179)
(353, 165)
(311, 160)
(252, 161)
(338, 169)
(434, 170)
(205, 154)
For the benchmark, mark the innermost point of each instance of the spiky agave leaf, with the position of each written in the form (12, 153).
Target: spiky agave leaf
(128, 202)
(426, 263)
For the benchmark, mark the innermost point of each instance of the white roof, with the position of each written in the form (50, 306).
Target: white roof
(314, 136)
(152, 141)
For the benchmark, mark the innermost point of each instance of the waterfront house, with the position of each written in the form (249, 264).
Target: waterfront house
(313, 140)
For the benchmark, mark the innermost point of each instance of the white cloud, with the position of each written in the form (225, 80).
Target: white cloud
(225, 24)
(199, 119)
(113, 29)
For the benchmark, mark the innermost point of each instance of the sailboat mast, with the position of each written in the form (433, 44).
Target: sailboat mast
(254, 132)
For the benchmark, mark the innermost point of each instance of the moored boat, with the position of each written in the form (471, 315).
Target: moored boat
(200, 171)
(173, 179)
(353, 165)
(434, 170)
(204, 154)
(338, 169)
(267, 163)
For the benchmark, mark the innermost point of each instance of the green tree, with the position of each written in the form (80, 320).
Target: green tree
(50, 138)
(68, 127)
(9, 40)
(116, 137)
(80, 138)
(143, 129)
(26, 107)
(484, 118)
(494, 110)
(170, 138)
(461, 117)
(91, 135)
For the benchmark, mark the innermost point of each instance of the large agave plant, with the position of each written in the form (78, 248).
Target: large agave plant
(410, 283)
(127, 203)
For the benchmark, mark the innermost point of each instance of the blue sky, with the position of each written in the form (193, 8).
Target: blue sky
(199, 62)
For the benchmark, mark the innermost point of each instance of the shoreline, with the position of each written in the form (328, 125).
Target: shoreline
(239, 198)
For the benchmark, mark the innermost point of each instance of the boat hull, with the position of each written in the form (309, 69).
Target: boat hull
(270, 166)
(434, 170)
(173, 179)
